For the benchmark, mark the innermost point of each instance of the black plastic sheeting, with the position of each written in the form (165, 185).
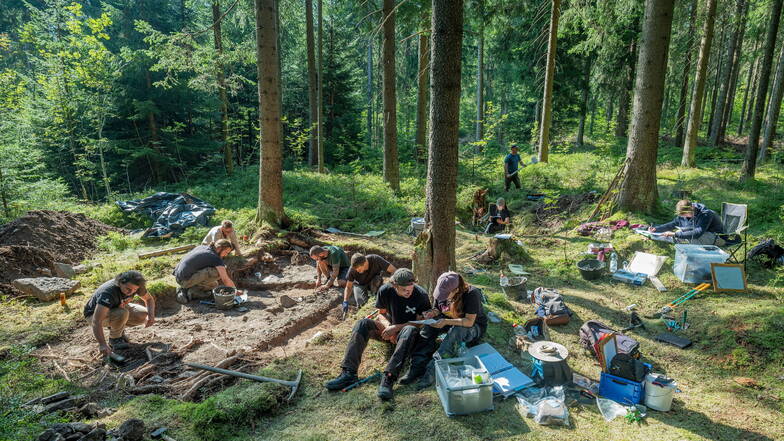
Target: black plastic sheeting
(171, 213)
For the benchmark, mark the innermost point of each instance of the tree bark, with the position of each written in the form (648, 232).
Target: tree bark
(441, 197)
(320, 89)
(152, 124)
(312, 85)
(622, 121)
(747, 92)
(480, 68)
(547, 100)
(752, 148)
(584, 102)
(684, 96)
(695, 112)
(774, 108)
(228, 157)
(270, 206)
(719, 110)
(638, 190)
(369, 93)
(391, 169)
(423, 77)
(729, 105)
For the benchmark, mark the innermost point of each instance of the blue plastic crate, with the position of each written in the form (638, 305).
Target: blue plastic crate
(620, 389)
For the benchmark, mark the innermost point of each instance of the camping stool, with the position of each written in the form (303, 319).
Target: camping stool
(549, 363)
(734, 218)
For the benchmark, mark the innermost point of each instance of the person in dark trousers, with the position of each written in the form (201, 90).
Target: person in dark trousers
(399, 302)
(459, 310)
(512, 162)
(110, 306)
(499, 217)
(332, 262)
(199, 272)
(364, 278)
(696, 224)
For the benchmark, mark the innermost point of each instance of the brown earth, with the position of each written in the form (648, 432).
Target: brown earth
(552, 214)
(19, 261)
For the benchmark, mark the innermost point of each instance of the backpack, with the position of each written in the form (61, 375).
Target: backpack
(593, 330)
(550, 306)
(770, 250)
(628, 367)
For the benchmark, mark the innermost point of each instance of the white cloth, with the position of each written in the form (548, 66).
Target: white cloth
(216, 233)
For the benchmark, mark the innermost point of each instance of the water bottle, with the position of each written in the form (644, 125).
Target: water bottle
(613, 262)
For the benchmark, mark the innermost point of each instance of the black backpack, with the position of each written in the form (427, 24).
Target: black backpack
(628, 367)
(768, 249)
(550, 305)
(593, 330)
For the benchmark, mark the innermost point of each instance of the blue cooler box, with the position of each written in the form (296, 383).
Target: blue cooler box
(621, 390)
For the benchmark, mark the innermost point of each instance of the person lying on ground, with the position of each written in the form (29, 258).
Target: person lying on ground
(696, 224)
(223, 231)
(110, 306)
(512, 163)
(331, 262)
(399, 302)
(499, 217)
(364, 278)
(201, 270)
(460, 313)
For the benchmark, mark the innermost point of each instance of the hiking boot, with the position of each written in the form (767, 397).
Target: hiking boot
(428, 378)
(183, 296)
(385, 388)
(343, 380)
(119, 343)
(412, 375)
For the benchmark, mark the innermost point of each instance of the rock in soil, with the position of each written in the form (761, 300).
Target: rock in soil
(50, 435)
(46, 288)
(96, 434)
(131, 430)
(64, 270)
(286, 301)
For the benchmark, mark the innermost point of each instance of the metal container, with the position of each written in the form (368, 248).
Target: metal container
(224, 297)
(515, 288)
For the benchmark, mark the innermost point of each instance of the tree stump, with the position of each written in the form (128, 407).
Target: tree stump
(505, 250)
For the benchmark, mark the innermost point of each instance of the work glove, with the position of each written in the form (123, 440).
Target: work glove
(345, 307)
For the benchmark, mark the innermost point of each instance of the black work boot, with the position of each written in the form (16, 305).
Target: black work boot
(412, 375)
(119, 343)
(385, 388)
(182, 296)
(428, 378)
(346, 378)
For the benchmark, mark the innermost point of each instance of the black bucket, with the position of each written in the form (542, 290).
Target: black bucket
(590, 269)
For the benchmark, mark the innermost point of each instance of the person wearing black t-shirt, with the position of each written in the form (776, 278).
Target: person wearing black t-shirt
(110, 306)
(364, 278)
(200, 271)
(460, 313)
(399, 302)
(499, 217)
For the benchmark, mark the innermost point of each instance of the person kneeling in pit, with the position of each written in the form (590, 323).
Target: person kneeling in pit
(364, 278)
(332, 262)
(462, 318)
(199, 272)
(110, 306)
(399, 302)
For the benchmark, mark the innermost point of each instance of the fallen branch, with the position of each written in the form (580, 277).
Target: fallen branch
(62, 371)
(156, 253)
(223, 364)
(149, 389)
(60, 357)
(192, 391)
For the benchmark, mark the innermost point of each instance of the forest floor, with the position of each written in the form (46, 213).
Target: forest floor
(731, 380)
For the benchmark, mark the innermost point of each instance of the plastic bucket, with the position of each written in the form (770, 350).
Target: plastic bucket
(224, 297)
(658, 396)
(590, 269)
(516, 288)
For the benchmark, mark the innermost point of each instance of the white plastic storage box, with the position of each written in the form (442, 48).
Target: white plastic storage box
(692, 262)
(457, 388)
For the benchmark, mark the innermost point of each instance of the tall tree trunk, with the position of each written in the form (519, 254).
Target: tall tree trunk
(312, 85)
(622, 122)
(547, 100)
(747, 92)
(369, 93)
(774, 107)
(423, 77)
(391, 168)
(695, 112)
(584, 101)
(750, 162)
(729, 105)
(720, 66)
(154, 141)
(320, 88)
(441, 197)
(270, 206)
(480, 71)
(638, 188)
(593, 114)
(680, 120)
(719, 110)
(228, 159)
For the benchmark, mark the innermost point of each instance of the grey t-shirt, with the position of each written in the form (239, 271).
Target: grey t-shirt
(196, 260)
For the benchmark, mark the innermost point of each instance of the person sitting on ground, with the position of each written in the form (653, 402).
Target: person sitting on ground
(332, 262)
(199, 272)
(696, 224)
(110, 306)
(223, 231)
(460, 313)
(499, 217)
(399, 302)
(364, 278)
(512, 162)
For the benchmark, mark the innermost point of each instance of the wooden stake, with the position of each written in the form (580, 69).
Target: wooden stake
(162, 252)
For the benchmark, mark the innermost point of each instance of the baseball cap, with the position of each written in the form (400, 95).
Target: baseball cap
(403, 277)
(446, 283)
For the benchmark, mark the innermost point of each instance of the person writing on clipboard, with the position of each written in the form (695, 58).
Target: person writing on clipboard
(499, 217)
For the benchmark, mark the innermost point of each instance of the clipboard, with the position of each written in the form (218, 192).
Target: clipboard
(607, 349)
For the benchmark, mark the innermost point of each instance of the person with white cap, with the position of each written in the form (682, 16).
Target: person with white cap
(460, 313)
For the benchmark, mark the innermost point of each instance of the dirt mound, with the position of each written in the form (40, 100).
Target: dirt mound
(552, 214)
(19, 261)
(69, 237)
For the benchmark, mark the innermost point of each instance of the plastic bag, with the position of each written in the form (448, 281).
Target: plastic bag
(545, 405)
(552, 412)
(610, 409)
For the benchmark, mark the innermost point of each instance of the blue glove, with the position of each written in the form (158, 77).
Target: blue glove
(345, 306)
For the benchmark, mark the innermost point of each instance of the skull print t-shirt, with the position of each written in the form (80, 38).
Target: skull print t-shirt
(402, 310)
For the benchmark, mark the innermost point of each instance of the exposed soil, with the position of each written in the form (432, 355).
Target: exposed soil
(19, 261)
(552, 214)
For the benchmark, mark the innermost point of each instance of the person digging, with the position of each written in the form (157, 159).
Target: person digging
(499, 217)
(110, 307)
(332, 262)
(199, 272)
(364, 278)
(223, 231)
(399, 302)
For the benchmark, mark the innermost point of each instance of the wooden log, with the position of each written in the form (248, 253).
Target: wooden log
(192, 391)
(149, 389)
(162, 252)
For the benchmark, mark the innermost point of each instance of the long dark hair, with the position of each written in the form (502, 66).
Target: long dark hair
(455, 299)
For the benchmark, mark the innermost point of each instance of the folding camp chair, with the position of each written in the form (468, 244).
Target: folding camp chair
(734, 217)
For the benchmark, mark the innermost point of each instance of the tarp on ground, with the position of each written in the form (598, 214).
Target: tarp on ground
(171, 213)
